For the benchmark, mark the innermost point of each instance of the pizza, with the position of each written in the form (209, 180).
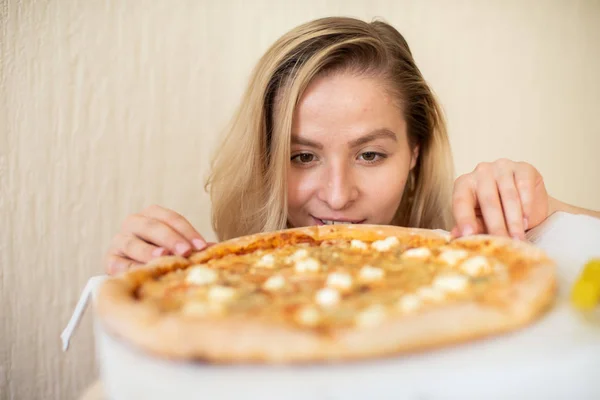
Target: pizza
(328, 293)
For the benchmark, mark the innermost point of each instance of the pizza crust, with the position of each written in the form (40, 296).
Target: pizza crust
(241, 339)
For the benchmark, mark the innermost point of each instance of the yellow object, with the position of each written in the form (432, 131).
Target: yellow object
(591, 270)
(585, 294)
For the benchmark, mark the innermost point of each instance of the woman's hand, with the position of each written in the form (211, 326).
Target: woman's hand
(154, 232)
(501, 198)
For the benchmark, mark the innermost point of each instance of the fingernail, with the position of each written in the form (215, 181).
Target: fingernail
(182, 248)
(467, 230)
(525, 224)
(199, 244)
(157, 252)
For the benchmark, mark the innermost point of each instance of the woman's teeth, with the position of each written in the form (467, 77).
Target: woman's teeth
(326, 222)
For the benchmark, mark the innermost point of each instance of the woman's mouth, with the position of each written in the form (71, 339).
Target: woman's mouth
(337, 221)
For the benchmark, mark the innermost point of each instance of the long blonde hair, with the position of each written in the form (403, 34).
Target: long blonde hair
(248, 180)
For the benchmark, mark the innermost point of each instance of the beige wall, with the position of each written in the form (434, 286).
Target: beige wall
(108, 106)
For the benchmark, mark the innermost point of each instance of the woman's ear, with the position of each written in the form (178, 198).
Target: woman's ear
(415, 157)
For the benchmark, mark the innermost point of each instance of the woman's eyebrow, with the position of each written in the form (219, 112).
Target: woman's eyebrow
(305, 142)
(381, 133)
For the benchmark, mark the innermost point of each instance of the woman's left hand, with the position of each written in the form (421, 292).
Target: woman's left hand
(501, 198)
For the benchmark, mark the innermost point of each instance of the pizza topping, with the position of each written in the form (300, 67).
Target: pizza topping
(307, 265)
(195, 309)
(201, 275)
(268, 260)
(430, 293)
(339, 280)
(451, 282)
(221, 294)
(385, 244)
(308, 315)
(369, 273)
(475, 265)
(358, 244)
(453, 256)
(409, 303)
(417, 252)
(371, 316)
(298, 255)
(327, 297)
(275, 282)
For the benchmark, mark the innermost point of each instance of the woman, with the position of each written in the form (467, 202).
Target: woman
(339, 126)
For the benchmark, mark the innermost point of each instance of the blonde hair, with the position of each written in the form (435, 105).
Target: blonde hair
(248, 180)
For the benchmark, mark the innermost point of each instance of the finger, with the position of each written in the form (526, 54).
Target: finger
(157, 233)
(116, 264)
(464, 203)
(178, 222)
(511, 203)
(489, 203)
(525, 180)
(479, 228)
(136, 249)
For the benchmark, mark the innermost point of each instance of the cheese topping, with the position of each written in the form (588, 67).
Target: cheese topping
(195, 309)
(358, 244)
(369, 273)
(307, 265)
(327, 297)
(274, 282)
(268, 260)
(201, 275)
(308, 316)
(298, 255)
(453, 256)
(475, 265)
(221, 294)
(409, 303)
(371, 316)
(430, 293)
(417, 252)
(451, 282)
(334, 285)
(339, 280)
(385, 244)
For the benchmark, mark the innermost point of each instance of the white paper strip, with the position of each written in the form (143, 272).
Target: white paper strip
(88, 291)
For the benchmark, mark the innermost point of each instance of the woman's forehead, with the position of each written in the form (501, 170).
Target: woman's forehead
(349, 106)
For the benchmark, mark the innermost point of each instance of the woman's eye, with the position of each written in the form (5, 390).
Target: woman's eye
(303, 158)
(371, 156)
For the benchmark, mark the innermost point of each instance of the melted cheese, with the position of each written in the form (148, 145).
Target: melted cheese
(429, 293)
(418, 252)
(453, 256)
(201, 275)
(268, 261)
(475, 266)
(451, 282)
(308, 316)
(409, 303)
(307, 265)
(385, 244)
(327, 297)
(298, 255)
(221, 294)
(358, 244)
(371, 316)
(274, 282)
(369, 273)
(339, 280)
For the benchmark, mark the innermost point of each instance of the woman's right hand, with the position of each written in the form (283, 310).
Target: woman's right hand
(154, 232)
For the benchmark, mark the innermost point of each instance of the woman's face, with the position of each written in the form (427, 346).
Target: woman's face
(350, 157)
